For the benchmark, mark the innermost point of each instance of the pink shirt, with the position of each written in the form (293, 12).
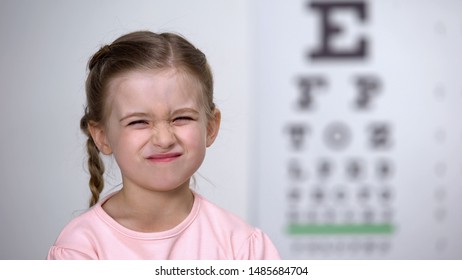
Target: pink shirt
(208, 232)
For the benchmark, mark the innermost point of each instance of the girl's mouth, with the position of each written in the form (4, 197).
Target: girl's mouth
(167, 157)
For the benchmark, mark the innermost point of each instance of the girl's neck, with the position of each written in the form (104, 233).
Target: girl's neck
(150, 211)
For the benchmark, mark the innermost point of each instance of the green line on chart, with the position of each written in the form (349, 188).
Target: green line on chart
(319, 229)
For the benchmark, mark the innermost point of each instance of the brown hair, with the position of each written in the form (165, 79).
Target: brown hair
(137, 51)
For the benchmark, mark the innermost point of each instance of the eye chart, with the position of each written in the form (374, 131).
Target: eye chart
(358, 150)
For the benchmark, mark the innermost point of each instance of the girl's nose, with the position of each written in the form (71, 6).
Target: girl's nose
(163, 136)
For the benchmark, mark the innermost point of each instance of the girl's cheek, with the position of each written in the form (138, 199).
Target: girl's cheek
(135, 137)
(192, 134)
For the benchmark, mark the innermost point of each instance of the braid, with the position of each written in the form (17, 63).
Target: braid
(96, 169)
(95, 165)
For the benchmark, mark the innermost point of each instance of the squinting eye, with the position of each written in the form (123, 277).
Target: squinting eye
(138, 122)
(182, 120)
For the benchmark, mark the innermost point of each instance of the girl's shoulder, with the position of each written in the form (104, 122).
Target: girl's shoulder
(244, 240)
(76, 238)
(222, 217)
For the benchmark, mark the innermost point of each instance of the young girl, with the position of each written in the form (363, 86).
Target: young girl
(150, 106)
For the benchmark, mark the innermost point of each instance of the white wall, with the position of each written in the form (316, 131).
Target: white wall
(44, 48)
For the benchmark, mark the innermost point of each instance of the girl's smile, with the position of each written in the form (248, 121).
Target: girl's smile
(163, 158)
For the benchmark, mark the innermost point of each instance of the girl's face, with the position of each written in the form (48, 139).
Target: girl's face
(156, 128)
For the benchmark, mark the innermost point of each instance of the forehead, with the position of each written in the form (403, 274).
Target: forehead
(168, 87)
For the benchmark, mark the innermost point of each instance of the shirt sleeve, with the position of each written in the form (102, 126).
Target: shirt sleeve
(60, 253)
(258, 247)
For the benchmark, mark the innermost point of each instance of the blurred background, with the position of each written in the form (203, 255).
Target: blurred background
(340, 135)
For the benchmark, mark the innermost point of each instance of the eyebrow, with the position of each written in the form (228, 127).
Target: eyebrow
(185, 110)
(135, 114)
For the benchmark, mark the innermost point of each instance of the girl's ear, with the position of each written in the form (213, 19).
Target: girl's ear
(213, 127)
(99, 137)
